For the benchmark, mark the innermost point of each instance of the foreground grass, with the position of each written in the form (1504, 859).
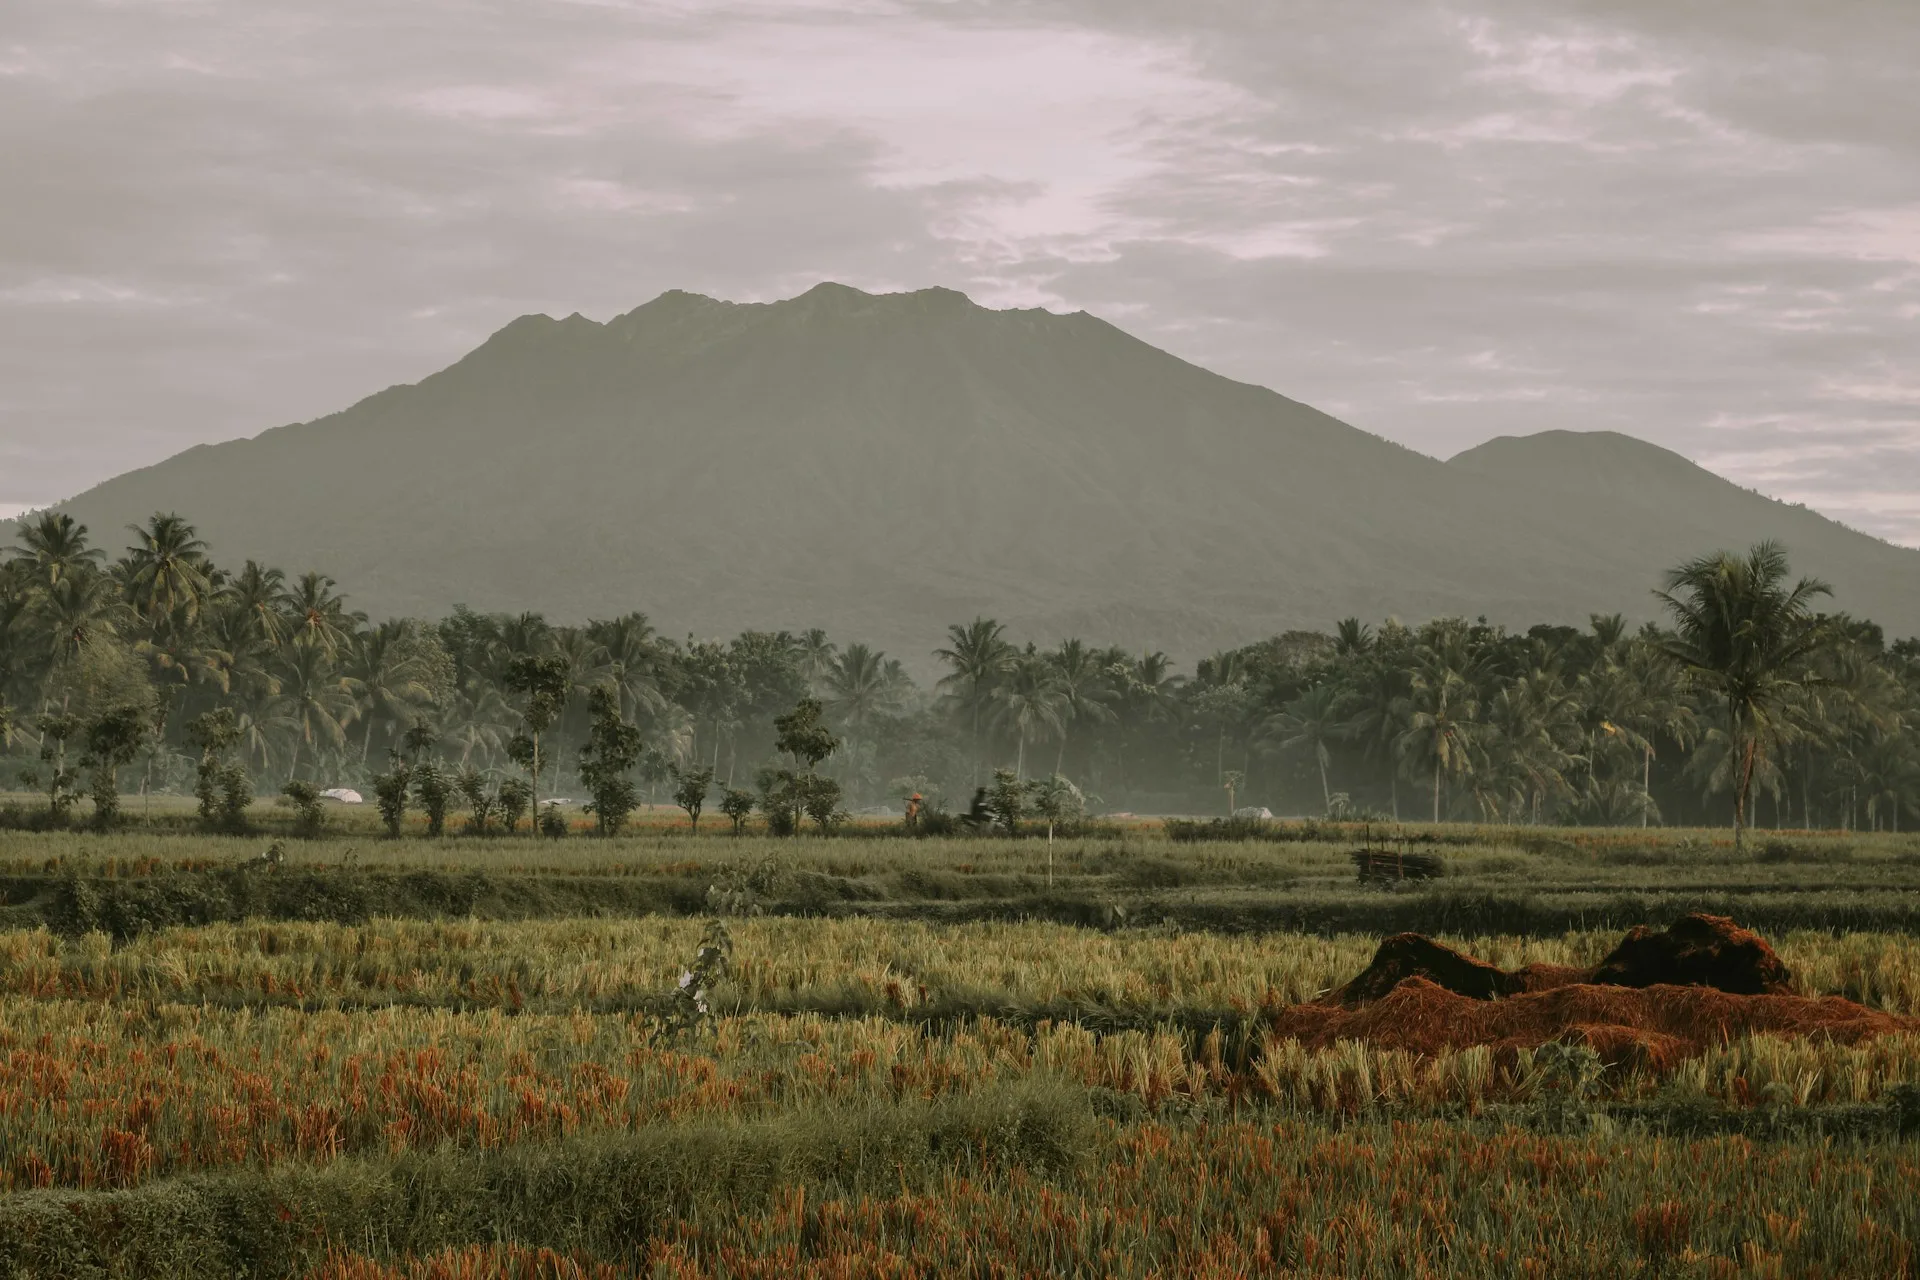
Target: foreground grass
(1020, 1181)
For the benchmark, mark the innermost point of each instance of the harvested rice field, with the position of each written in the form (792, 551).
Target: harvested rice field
(760, 1092)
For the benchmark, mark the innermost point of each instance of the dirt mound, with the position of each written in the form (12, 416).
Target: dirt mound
(1698, 950)
(1654, 1027)
(1414, 955)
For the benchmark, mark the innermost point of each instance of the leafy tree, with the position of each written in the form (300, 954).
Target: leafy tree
(221, 784)
(310, 815)
(390, 792)
(544, 683)
(1007, 800)
(1056, 800)
(113, 740)
(515, 798)
(481, 802)
(434, 788)
(53, 776)
(782, 799)
(738, 806)
(690, 793)
(1745, 636)
(613, 748)
(801, 734)
(820, 798)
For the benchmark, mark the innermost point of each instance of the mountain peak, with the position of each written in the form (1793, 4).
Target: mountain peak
(884, 464)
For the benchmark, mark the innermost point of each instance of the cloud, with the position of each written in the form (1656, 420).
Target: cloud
(1699, 224)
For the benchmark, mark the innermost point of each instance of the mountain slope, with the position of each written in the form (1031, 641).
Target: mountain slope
(884, 465)
(1656, 507)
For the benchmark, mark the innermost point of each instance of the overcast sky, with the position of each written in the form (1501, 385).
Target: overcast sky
(1696, 222)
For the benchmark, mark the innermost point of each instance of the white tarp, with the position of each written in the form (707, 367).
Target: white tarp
(345, 795)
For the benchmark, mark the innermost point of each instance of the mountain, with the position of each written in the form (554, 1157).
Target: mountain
(883, 465)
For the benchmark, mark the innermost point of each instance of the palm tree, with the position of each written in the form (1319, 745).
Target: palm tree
(166, 572)
(1745, 637)
(320, 617)
(74, 612)
(384, 675)
(1030, 702)
(978, 656)
(1528, 722)
(1444, 706)
(1380, 710)
(816, 654)
(860, 686)
(257, 598)
(1352, 638)
(53, 547)
(315, 701)
(632, 663)
(1638, 699)
(1087, 687)
(1311, 721)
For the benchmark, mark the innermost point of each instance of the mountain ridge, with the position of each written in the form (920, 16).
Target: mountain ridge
(885, 464)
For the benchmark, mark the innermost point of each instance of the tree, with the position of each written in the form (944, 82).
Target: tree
(52, 775)
(861, 685)
(222, 785)
(977, 656)
(1007, 800)
(166, 572)
(434, 788)
(319, 615)
(801, 734)
(612, 750)
(820, 799)
(1311, 722)
(1744, 636)
(738, 806)
(1030, 702)
(1087, 687)
(544, 683)
(690, 791)
(310, 816)
(113, 739)
(1057, 801)
(481, 803)
(1444, 705)
(52, 547)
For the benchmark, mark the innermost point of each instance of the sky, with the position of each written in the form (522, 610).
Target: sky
(1697, 222)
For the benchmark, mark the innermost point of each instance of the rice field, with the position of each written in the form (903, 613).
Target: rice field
(872, 1095)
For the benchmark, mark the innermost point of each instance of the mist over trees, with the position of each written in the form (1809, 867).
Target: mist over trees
(157, 669)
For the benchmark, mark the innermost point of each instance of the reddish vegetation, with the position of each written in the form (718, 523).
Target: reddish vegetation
(1657, 998)
(1653, 1026)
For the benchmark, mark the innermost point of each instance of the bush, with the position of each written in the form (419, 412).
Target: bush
(310, 815)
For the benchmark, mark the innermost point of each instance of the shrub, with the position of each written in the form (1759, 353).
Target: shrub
(309, 815)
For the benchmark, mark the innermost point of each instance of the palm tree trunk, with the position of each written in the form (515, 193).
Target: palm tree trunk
(1020, 758)
(1436, 791)
(1326, 796)
(1646, 786)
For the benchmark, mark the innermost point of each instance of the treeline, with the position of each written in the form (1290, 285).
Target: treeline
(160, 670)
